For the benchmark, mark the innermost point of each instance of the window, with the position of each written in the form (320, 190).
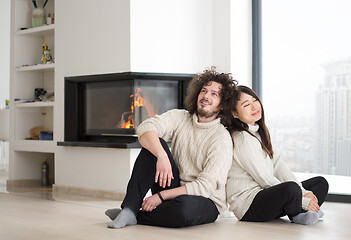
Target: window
(306, 86)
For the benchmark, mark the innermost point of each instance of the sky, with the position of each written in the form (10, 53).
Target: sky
(298, 38)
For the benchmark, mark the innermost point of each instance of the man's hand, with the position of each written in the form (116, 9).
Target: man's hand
(150, 203)
(313, 205)
(164, 173)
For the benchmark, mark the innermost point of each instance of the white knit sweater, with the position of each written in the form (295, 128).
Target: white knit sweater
(252, 171)
(202, 152)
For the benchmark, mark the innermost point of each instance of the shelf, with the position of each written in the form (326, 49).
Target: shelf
(34, 146)
(34, 104)
(43, 31)
(126, 145)
(37, 68)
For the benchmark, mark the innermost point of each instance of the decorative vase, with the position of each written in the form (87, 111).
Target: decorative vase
(38, 17)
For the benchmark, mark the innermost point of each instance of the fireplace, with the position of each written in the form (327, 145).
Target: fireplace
(105, 110)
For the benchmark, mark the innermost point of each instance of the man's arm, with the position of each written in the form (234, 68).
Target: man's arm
(151, 142)
(150, 203)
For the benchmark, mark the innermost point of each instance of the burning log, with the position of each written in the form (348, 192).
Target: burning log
(140, 107)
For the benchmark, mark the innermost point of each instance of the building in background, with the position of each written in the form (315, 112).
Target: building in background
(319, 144)
(333, 120)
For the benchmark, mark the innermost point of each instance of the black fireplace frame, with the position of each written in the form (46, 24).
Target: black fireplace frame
(73, 115)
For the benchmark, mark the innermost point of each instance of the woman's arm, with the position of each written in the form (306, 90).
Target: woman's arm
(249, 154)
(283, 172)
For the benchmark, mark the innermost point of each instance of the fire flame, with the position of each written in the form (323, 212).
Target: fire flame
(138, 101)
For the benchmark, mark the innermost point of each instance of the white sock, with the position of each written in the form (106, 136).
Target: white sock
(320, 213)
(113, 213)
(125, 217)
(307, 218)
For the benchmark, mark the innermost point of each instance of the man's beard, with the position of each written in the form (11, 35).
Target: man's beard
(207, 114)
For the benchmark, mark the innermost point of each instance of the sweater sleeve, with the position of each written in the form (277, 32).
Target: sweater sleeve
(283, 173)
(249, 155)
(164, 124)
(215, 168)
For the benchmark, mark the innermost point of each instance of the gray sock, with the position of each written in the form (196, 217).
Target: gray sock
(306, 218)
(320, 213)
(113, 213)
(125, 217)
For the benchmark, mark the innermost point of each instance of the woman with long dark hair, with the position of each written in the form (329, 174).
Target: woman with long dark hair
(260, 186)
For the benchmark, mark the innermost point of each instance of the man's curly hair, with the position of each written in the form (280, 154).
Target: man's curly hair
(226, 93)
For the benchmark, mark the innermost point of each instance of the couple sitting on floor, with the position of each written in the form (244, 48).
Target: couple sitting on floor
(221, 153)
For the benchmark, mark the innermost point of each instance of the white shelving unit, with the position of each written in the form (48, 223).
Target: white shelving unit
(27, 74)
(34, 146)
(37, 68)
(42, 31)
(34, 104)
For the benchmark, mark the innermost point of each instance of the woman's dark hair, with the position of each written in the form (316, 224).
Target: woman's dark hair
(238, 125)
(226, 93)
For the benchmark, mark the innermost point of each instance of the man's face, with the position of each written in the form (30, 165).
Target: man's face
(208, 102)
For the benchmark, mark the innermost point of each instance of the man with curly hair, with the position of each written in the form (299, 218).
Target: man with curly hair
(187, 183)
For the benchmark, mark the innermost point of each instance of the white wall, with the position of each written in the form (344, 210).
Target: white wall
(5, 51)
(180, 35)
(241, 41)
(221, 35)
(91, 37)
(171, 35)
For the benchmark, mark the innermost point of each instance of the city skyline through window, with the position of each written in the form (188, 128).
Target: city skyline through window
(306, 86)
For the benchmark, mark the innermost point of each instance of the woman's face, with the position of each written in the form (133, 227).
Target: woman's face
(249, 109)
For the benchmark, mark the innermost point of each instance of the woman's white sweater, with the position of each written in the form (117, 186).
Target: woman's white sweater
(202, 151)
(253, 170)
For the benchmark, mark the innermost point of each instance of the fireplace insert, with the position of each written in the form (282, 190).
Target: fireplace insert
(105, 110)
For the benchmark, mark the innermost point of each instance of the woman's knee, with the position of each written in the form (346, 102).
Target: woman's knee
(292, 189)
(323, 184)
(322, 188)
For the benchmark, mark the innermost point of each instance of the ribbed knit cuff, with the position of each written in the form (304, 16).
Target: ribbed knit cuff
(305, 202)
(189, 189)
(304, 191)
(146, 127)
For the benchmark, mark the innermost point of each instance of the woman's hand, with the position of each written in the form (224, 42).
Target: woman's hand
(311, 196)
(313, 205)
(164, 173)
(150, 203)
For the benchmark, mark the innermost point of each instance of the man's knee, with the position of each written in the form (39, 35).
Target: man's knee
(191, 210)
(146, 154)
(163, 143)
